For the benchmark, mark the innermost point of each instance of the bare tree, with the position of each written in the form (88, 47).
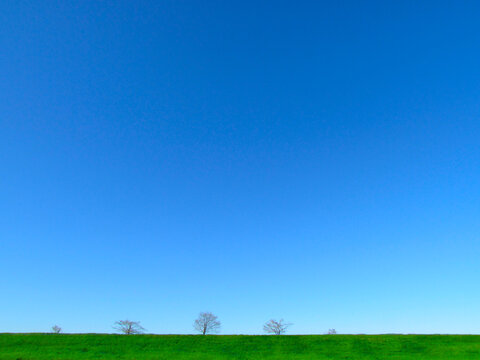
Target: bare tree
(128, 327)
(332, 332)
(207, 323)
(276, 327)
(56, 329)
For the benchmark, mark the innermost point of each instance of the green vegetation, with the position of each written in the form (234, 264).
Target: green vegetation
(223, 347)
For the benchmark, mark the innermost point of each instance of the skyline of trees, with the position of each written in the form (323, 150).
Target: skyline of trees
(206, 323)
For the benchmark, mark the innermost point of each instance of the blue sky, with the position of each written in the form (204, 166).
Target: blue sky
(312, 161)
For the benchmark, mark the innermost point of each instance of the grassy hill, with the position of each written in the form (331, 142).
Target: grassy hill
(172, 347)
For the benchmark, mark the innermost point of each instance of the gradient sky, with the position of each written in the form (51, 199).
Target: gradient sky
(312, 161)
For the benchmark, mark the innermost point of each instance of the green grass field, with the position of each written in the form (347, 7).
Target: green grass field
(171, 347)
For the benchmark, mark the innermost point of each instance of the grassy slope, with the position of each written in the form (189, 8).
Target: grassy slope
(172, 347)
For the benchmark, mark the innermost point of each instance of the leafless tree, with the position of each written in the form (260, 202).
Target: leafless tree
(207, 323)
(332, 332)
(276, 327)
(56, 329)
(128, 327)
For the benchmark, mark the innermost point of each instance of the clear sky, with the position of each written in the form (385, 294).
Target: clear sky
(312, 161)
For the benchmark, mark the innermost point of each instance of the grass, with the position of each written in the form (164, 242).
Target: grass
(244, 347)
